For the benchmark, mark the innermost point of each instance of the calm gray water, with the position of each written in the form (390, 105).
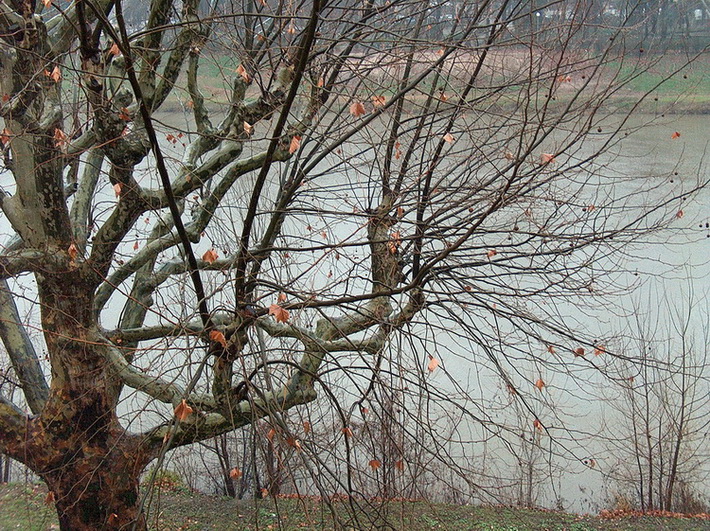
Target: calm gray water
(667, 270)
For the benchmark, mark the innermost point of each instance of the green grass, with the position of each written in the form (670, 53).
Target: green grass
(670, 84)
(22, 507)
(667, 79)
(671, 72)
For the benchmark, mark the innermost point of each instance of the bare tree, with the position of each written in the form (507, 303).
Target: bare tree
(331, 179)
(661, 437)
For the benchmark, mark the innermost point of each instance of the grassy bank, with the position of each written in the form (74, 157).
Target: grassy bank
(647, 82)
(670, 84)
(23, 507)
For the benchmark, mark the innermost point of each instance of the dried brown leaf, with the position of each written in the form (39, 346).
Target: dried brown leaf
(183, 410)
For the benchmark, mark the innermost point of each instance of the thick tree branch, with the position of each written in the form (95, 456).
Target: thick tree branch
(62, 27)
(149, 48)
(297, 391)
(130, 206)
(31, 260)
(193, 230)
(199, 426)
(21, 352)
(81, 207)
(314, 343)
(164, 391)
(193, 34)
(13, 428)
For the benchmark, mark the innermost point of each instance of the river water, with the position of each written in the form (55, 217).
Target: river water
(658, 275)
(660, 291)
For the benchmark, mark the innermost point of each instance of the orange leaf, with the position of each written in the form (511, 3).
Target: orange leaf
(395, 242)
(271, 434)
(248, 128)
(680, 214)
(539, 384)
(547, 158)
(73, 251)
(125, 115)
(491, 253)
(243, 73)
(235, 473)
(449, 138)
(50, 499)
(347, 432)
(433, 364)
(182, 411)
(264, 490)
(293, 442)
(281, 297)
(218, 337)
(357, 109)
(117, 189)
(550, 349)
(210, 256)
(280, 314)
(5, 98)
(599, 350)
(295, 144)
(375, 464)
(291, 30)
(47, 3)
(578, 352)
(675, 135)
(378, 101)
(306, 427)
(56, 74)
(60, 138)
(537, 424)
(5, 136)
(135, 246)
(114, 50)
(399, 465)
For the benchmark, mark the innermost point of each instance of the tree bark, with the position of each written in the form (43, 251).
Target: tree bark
(89, 462)
(92, 475)
(97, 490)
